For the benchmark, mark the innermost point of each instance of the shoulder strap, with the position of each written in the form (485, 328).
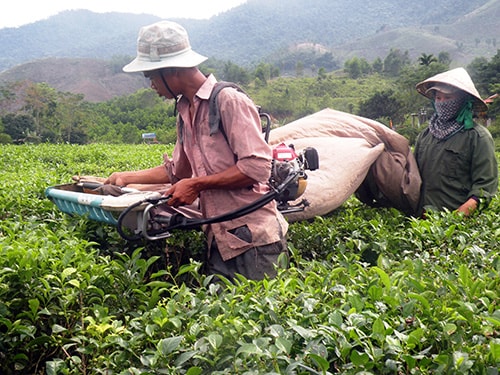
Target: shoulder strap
(214, 118)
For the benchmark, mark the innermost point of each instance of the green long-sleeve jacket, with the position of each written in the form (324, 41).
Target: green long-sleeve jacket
(457, 168)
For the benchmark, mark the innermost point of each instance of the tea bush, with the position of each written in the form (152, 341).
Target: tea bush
(368, 291)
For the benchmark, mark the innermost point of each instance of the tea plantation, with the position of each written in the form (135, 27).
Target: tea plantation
(368, 291)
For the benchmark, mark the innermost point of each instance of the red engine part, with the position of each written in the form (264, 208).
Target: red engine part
(282, 152)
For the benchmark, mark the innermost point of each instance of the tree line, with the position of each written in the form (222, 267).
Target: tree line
(383, 90)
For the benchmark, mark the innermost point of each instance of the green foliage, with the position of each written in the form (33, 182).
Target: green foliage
(288, 99)
(426, 59)
(19, 126)
(382, 104)
(264, 72)
(51, 116)
(234, 73)
(487, 79)
(5, 138)
(486, 73)
(368, 290)
(306, 57)
(129, 116)
(395, 61)
(357, 67)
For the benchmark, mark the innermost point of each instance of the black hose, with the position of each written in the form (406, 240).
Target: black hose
(124, 213)
(178, 221)
(185, 223)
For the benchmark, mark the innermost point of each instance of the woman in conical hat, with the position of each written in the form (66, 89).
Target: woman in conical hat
(455, 155)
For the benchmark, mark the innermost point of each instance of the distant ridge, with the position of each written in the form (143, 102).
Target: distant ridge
(74, 49)
(256, 29)
(95, 78)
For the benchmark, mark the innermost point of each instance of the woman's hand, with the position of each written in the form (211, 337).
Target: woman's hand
(468, 207)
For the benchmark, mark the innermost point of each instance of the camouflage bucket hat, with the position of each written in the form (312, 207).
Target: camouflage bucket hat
(450, 81)
(161, 45)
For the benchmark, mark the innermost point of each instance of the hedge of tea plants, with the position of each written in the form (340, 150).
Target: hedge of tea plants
(368, 291)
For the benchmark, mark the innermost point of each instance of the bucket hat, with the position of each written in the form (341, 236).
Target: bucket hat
(163, 44)
(452, 80)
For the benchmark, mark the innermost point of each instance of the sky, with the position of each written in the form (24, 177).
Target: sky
(21, 12)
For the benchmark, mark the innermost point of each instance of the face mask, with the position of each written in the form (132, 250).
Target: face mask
(450, 116)
(448, 110)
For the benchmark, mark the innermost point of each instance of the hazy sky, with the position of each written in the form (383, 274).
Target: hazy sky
(20, 12)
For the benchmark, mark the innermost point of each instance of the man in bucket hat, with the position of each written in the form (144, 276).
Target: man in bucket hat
(225, 170)
(455, 155)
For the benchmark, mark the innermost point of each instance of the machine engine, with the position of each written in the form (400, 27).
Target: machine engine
(286, 162)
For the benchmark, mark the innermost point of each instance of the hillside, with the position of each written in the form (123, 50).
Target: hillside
(259, 30)
(72, 34)
(473, 35)
(97, 79)
(270, 25)
(415, 41)
(256, 28)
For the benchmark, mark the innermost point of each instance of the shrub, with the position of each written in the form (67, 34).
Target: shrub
(367, 291)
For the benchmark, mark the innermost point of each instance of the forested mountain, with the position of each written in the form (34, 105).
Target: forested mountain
(83, 52)
(261, 29)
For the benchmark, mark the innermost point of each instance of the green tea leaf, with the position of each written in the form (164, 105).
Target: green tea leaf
(215, 340)
(323, 364)
(359, 359)
(384, 277)
(284, 345)
(250, 348)
(421, 299)
(56, 328)
(168, 345)
(450, 328)
(194, 371)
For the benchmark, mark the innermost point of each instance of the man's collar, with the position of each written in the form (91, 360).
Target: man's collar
(206, 89)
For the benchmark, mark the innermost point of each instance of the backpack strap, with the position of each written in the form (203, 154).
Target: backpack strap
(214, 118)
(180, 128)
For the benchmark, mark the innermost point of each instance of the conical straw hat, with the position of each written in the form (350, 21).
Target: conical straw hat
(459, 79)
